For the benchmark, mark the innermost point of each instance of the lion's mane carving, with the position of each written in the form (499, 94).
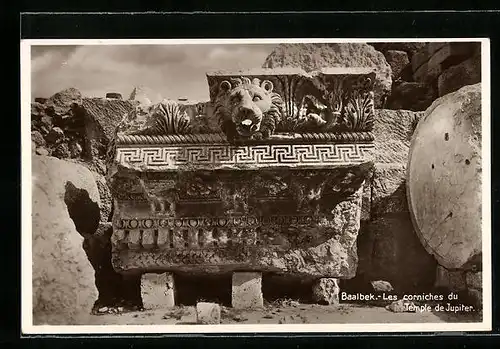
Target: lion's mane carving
(247, 109)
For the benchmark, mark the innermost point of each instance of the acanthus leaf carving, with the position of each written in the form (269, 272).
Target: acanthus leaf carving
(254, 107)
(359, 105)
(359, 111)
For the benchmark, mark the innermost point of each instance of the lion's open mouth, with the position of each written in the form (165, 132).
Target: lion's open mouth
(247, 127)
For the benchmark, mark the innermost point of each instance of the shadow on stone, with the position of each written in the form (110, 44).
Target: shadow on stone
(390, 250)
(277, 287)
(83, 211)
(114, 289)
(193, 288)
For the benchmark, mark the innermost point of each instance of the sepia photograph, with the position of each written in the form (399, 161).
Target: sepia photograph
(270, 185)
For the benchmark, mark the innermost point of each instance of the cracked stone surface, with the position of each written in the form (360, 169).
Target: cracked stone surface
(444, 178)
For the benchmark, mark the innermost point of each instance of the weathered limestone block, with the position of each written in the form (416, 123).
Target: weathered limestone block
(62, 102)
(444, 181)
(398, 60)
(101, 117)
(114, 95)
(388, 247)
(414, 96)
(388, 192)
(457, 76)
(208, 313)
(106, 198)
(157, 290)
(392, 131)
(453, 280)
(247, 290)
(409, 47)
(424, 53)
(65, 200)
(311, 57)
(326, 291)
(442, 58)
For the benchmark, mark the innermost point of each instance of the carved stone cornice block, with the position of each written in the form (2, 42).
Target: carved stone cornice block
(266, 176)
(329, 100)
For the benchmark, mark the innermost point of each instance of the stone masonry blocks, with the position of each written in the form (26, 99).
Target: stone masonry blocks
(157, 290)
(247, 290)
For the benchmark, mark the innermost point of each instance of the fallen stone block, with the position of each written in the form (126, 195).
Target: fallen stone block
(447, 55)
(415, 96)
(457, 76)
(65, 200)
(398, 60)
(382, 286)
(207, 313)
(247, 290)
(423, 55)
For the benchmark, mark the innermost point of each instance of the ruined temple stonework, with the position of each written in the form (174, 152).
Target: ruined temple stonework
(266, 177)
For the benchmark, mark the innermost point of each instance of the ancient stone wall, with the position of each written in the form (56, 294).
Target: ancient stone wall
(424, 71)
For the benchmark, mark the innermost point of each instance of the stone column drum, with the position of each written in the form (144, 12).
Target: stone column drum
(266, 177)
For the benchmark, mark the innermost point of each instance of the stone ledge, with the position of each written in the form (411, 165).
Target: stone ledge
(315, 261)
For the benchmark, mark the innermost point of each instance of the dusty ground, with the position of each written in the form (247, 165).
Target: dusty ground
(291, 313)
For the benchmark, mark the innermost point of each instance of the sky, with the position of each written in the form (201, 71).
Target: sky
(163, 71)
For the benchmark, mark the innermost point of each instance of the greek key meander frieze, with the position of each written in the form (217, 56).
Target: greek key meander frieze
(277, 155)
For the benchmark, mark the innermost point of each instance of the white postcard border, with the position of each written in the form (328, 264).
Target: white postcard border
(27, 327)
